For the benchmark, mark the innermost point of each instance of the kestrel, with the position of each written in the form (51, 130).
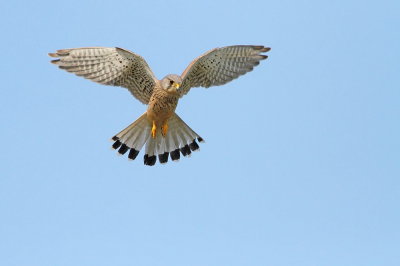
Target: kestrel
(162, 131)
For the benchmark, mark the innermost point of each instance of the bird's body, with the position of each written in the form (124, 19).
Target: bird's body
(163, 133)
(161, 106)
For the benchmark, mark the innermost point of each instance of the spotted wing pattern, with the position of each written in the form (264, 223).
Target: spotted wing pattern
(221, 65)
(109, 66)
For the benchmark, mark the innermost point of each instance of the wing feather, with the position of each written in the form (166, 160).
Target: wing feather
(221, 65)
(109, 66)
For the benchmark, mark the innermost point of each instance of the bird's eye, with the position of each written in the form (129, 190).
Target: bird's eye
(171, 82)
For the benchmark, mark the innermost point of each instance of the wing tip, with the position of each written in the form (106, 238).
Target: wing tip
(59, 53)
(264, 49)
(52, 54)
(63, 52)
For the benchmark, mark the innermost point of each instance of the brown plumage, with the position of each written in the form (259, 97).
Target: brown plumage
(160, 129)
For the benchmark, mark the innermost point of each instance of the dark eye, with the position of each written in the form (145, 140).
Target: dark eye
(171, 82)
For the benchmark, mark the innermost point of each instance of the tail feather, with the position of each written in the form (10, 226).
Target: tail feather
(136, 134)
(180, 138)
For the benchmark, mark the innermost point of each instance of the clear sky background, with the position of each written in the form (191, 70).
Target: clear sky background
(301, 164)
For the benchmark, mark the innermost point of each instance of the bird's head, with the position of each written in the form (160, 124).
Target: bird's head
(171, 83)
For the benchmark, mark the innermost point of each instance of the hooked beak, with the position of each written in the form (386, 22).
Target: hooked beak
(177, 85)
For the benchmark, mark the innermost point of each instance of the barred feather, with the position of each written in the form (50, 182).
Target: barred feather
(180, 138)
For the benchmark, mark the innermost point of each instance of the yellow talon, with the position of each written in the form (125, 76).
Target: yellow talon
(164, 129)
(154, 130)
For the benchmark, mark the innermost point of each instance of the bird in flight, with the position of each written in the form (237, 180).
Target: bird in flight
(163, 133)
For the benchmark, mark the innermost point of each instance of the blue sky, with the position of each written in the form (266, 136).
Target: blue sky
(301, 160)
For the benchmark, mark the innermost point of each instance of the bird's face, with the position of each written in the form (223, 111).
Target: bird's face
(171, 83)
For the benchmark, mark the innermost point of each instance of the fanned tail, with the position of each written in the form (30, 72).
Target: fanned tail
(180, 138)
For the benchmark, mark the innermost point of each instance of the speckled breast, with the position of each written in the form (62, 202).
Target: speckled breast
(162, 106)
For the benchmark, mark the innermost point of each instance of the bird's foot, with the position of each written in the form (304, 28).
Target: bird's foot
(154, 130)
(164, 129)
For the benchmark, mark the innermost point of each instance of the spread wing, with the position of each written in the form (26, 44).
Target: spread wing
(109, 66)
(221, 65)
